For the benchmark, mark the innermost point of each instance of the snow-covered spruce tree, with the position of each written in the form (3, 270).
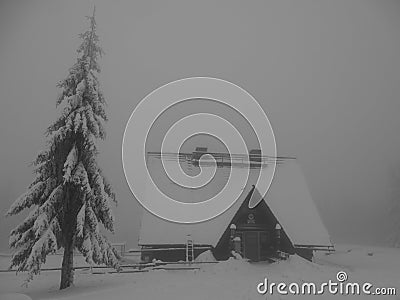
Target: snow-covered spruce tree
(69, 197)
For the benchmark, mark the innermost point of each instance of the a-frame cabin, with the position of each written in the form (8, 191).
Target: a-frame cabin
(287, 203)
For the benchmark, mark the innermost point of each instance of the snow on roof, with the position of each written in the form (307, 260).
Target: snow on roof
(288, 198)
(157, 231)
(290, 201)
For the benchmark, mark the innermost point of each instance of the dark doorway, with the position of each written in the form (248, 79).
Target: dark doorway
(251, 245)
(256, 244)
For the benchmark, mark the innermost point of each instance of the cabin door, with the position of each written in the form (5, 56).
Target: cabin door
(251, 245)
(256, 244)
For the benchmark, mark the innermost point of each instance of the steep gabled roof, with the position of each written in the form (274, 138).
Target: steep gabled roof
(288, 198)
(290, 201)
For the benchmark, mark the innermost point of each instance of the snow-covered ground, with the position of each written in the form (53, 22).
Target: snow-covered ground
(233, 279)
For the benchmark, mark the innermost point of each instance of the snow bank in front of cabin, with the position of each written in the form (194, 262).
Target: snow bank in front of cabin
(15, 296)
(232, 279)
(227, 267)
(236, 254)
(206, 256)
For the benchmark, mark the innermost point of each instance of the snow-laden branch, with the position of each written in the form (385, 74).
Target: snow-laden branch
(27, 199)
(70, 163)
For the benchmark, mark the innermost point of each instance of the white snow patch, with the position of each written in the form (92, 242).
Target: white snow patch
(206, 256)
(14, 296)
(232, 279)
(236, 255)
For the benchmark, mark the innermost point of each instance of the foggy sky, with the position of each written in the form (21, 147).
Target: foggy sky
(327, 73)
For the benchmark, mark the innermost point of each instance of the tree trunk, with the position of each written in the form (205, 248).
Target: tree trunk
(67, 270)
(68, 231)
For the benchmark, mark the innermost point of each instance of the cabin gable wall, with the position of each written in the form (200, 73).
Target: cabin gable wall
(257, 220)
